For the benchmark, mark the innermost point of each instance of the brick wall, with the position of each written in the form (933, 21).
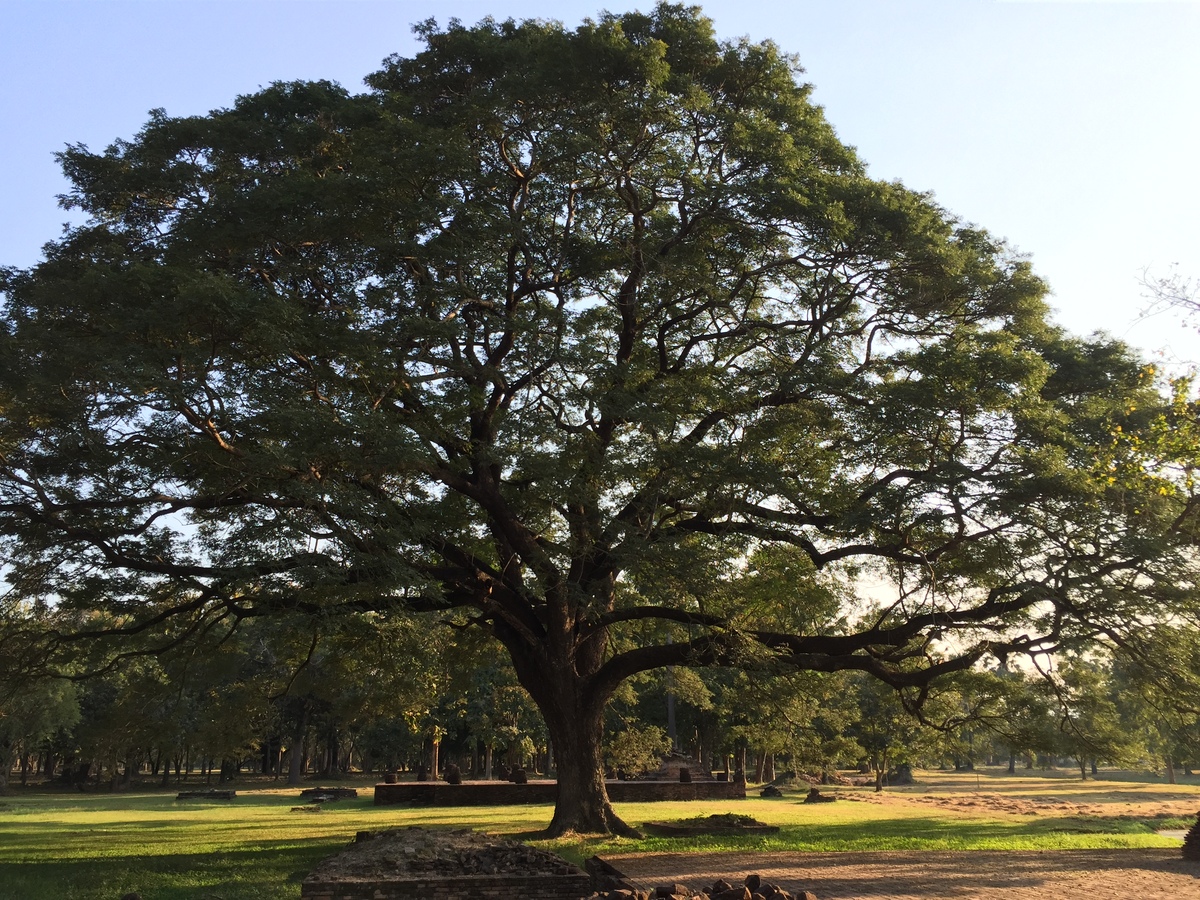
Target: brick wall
(648, 791)
(502, 793)
(471, 887)
(478, 793)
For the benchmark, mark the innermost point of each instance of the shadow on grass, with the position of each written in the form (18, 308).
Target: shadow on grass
(265, 869)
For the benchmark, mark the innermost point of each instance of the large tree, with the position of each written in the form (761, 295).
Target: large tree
(556, 328)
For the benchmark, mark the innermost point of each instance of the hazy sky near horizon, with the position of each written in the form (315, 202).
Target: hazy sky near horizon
(1071, 128)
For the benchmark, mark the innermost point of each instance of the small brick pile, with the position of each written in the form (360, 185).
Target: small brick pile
(754, 888)
(1191, 841)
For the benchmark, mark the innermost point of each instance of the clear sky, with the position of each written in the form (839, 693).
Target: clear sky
(1069, 127)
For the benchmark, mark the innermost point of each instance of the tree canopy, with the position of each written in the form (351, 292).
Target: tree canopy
(598, 338)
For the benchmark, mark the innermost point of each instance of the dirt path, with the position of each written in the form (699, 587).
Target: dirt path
(962, 875)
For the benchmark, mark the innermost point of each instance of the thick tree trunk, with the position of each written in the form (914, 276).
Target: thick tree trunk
(557, 673)
(582, 803)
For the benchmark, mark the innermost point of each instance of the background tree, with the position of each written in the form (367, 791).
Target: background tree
(636, 748)
(544, 315)
(28, 717)
(1157, 691)
(1090, 726)
(1025, 725)
(494, 710)
(888, 734)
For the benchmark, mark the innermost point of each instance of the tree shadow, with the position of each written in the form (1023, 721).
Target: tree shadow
(252, 871)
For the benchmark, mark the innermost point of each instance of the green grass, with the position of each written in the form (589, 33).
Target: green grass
(863, 826)
(100, 846)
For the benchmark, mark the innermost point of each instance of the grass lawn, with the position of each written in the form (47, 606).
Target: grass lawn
(59, 846)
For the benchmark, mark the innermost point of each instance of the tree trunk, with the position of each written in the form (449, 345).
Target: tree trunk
(557, 673)
(296, 751)
(488, 752)
(1170, 769)
(581, 804)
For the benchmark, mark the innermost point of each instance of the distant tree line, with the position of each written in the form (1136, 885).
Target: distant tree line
(294, 700)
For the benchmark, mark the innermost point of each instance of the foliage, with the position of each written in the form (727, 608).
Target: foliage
(30, 715)
(636, 748)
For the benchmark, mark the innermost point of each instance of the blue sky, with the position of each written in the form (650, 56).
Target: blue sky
(1069, 127)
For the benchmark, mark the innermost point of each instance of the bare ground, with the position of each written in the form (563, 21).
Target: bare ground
(926, 875)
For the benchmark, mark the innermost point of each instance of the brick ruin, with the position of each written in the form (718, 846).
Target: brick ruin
(422, 864)
(501, 793)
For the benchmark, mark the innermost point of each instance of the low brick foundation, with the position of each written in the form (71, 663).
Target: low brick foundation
(432, 864)
(649, 791)
(502, 793)
(337, 793)
(469, 887)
